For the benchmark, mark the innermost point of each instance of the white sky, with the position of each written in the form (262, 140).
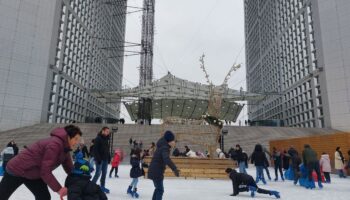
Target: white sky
(184, 30)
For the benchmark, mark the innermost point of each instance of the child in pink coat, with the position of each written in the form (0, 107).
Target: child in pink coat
(118, 157)
(325, 165)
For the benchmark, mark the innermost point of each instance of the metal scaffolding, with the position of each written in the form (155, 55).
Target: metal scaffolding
(146, 65)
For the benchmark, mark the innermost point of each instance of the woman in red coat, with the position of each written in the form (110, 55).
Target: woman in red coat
(33, 166)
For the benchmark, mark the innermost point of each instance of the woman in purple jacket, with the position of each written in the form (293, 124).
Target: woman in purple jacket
(33, 166)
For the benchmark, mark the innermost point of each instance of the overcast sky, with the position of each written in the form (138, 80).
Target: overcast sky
(184, 30)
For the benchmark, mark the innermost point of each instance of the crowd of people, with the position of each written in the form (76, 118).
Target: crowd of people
(45, 155)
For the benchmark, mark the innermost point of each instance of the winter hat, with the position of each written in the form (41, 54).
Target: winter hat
(79, 155)
(218, 150)
(169, 136)
(229, 170)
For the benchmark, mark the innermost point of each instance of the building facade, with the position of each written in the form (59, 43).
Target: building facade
(52, 53)
(298, 50)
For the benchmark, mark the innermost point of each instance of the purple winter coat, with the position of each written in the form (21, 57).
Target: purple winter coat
(41, 158)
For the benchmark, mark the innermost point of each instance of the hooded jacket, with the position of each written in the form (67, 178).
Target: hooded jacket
(160, 160)
(41, 158)
(309, 155)
(325, 163)
(258, 156)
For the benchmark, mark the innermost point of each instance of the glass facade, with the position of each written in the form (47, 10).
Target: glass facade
(89, 55)
(281, 58)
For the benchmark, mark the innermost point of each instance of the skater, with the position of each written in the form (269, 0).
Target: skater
(241, 159)
(159, 161)
(117, 158)
(78, 182)
(267, 164)
(244, 183)
(325, 165)
(13, 144)
(152, 149)
(91, 153)
(33, 166)
(101, 153)
(7, 154)
(339, 162)
(259, 159)
(296, 167)
(277, 159)
(135, 172)
(130, 141)
(311, 162)
(285, 160)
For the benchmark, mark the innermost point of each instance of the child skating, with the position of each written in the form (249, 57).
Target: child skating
(135, 172)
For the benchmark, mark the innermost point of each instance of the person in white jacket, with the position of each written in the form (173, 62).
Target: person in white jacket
(191, 154)
(325, 165)
(339, 162)
(221, 154)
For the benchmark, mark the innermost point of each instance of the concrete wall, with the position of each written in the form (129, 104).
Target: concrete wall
(26, 28)
(334, 32)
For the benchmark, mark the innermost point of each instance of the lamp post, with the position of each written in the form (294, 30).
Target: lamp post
(224, 132)
(114, 130)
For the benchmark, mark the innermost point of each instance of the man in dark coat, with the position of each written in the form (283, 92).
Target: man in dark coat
(33, 166)
(311, 162)
(101, 155)
(244, 183)
(159, 161)
(260, 160)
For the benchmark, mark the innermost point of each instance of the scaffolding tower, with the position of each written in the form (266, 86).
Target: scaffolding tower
(146, 65)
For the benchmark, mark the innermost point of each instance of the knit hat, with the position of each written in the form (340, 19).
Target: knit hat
(229, 170)
(169, 136)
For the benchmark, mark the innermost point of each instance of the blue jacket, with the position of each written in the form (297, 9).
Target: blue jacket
(160, 160)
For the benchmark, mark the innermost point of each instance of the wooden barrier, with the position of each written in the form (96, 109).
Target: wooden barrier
(322, 143)
(198, 167)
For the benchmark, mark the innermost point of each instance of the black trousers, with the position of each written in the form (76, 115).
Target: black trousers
(116, 171)
(9, 184)
(278, 166)
(326, 175)
(258, 190)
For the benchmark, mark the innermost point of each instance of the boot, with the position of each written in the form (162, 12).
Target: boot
(129, 190)
(320, 184)
(105, 190)
(135, 194)
(252, 190)
(276, 194)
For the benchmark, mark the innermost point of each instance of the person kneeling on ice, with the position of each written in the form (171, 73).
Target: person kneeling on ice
(244, 183)
(79, 184)
(135, 172)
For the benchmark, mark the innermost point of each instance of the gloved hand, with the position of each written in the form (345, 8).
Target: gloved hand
(177, 173)
(63, 192)
(84, 168)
